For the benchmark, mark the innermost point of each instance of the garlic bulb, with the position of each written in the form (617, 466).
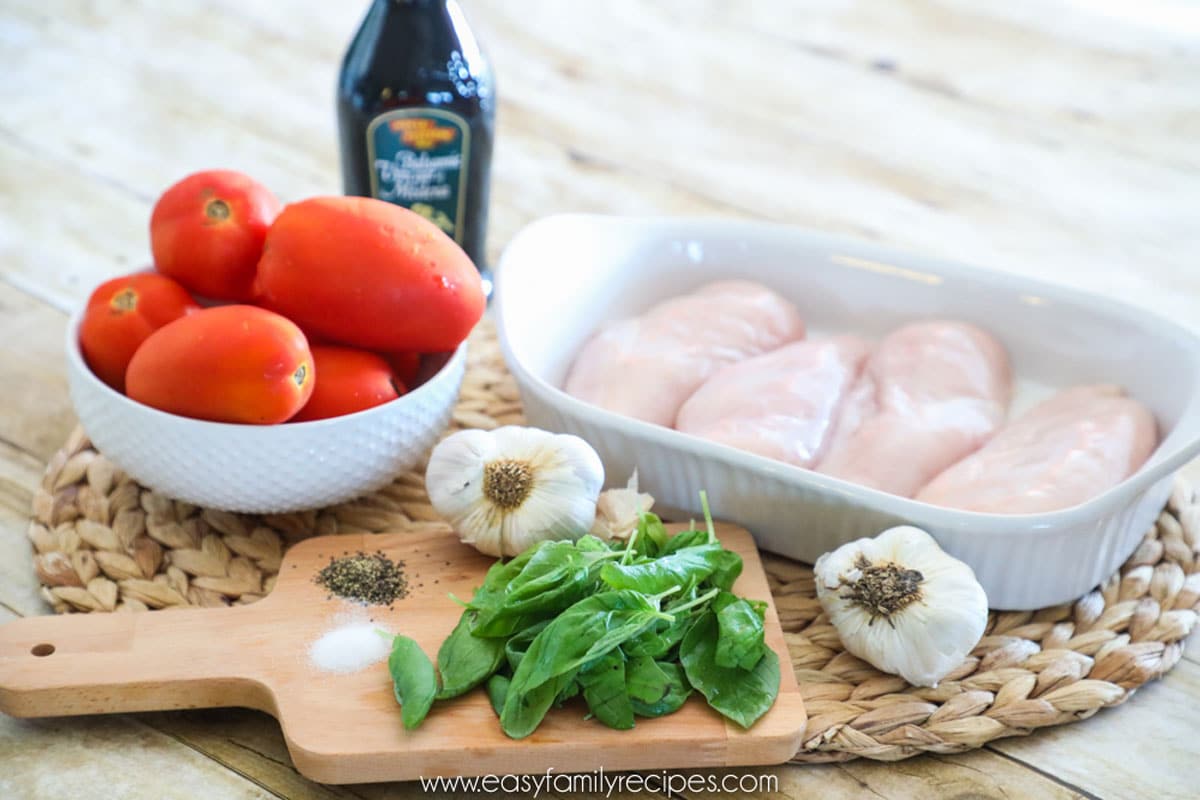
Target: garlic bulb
(618, 511)
(506, 489)
(899, 602)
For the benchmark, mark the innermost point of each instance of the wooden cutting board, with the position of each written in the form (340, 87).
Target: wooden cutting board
(345, 728)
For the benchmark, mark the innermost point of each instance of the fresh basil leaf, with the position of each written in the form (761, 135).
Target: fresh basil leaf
(690, 538)
(465, 661)
(546, 568)
(654, 532)
(603, 685)
(524, 711)
(652, 642)
(552, 580)
(741, 695)
(413, 680)
(658, 641)
(572, 689)
(681, 569)
(502, 572)
(740, 632)
(518, 643)
(498, 576)
(645, 680)
(590, 544)
(677, 694)
(583, 633)
(497, 688)
(647, 540)
(727, 567)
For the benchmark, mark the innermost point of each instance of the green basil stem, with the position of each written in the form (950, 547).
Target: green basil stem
(627, 553)
(708, 520)
(695, 601)
(656, 599)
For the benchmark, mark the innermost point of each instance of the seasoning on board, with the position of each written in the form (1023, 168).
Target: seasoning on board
(350, 647)
(367, 578)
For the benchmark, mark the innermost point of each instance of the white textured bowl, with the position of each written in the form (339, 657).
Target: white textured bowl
(562, 276)
(262, 468)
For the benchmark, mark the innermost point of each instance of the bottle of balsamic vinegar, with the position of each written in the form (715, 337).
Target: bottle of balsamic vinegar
(416, 109)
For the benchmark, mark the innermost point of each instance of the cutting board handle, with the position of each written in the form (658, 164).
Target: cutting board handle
(103, 663)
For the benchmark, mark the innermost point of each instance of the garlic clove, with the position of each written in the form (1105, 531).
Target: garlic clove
(618, 511)
(902, 604)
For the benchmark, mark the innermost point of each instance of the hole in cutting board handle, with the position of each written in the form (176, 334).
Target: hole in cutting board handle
(42, 650)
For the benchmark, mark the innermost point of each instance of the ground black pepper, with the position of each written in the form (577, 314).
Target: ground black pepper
(368, 578)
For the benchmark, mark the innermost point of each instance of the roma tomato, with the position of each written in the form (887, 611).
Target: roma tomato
(226, 364)
(348, 380)
(207, 232)
(121, 314)
(406, 365)
(370, 274)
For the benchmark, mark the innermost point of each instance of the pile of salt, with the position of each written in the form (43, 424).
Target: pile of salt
(350, 648)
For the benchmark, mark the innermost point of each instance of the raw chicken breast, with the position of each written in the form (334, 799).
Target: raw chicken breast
(1064, 451)
(932, 393)
(782, 404)
(647, 366)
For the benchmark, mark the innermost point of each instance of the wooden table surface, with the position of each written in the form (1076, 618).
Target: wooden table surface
(1055, 138)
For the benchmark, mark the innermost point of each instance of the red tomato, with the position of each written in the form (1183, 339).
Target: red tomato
(370, 274)
(207, 232)
(406, 365)
(348, 380)
(121, 314)
(227, 364)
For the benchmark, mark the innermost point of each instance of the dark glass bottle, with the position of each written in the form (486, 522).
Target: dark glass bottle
(416, 109)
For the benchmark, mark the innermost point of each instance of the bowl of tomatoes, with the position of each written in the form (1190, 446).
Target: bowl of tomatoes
(274, 359)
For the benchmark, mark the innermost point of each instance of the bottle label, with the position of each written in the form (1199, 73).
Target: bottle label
(418, 159)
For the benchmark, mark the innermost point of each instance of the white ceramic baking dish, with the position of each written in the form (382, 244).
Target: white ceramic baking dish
(562, 276)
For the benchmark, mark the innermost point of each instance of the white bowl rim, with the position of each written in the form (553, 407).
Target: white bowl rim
(1110, 501)
(79, 365)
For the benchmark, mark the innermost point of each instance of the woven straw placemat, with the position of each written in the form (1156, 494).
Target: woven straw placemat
(104, 543)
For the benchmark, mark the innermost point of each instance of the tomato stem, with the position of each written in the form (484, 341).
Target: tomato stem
(217, 210)
(124, 300)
